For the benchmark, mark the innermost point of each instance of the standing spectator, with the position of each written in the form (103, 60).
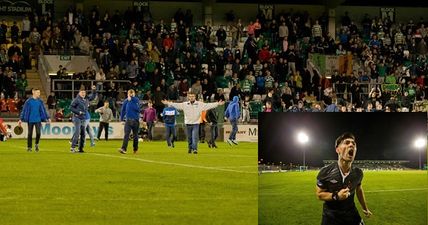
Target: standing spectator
(317, 32)
(233, 113)
(212, 117)
(158, 96)
(169, 115)
(221, 37)
(33, 113)
(21, 85)
(26, 50)
(202, 123)
(257, 28)
(130, 115)
(106, 116)
(14, 49)
(149, 116)
(197, 88)
(51, 102)
(26, 27)
(192, 112)
(282, 31)
(250, 29)
(100, 76)
(3, 32)
(35, 37)
(14, 32)
(132, 70)
(246, 108)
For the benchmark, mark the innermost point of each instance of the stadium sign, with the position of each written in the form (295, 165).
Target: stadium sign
(387, 13)
(65, 57)
(45, 6)
(248, 133)
(267, 10)
(13, 7)
(141, 5)
(64, 130)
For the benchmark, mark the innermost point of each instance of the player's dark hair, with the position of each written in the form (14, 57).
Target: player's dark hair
(344, 136)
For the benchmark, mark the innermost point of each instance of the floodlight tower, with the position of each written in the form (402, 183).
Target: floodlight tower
(420, 144)
(303, 138)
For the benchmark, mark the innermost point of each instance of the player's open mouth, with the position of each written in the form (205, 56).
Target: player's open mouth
(351, 152)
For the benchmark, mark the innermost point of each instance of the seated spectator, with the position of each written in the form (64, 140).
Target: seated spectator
(59, 115)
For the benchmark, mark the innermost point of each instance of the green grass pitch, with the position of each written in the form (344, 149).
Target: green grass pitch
(394, 197)
(157, 186)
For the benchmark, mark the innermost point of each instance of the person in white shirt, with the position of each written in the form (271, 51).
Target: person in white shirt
(192, 112)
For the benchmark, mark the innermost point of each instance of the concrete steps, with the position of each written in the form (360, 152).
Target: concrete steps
(33, 79)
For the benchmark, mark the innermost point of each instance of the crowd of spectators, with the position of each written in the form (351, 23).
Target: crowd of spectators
(261, 60)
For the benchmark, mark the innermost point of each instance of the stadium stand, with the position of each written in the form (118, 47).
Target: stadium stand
(375, 64)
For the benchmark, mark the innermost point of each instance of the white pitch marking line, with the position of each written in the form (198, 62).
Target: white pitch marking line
(373, 191)
(19, 198)
(397, 190)
(172, 164)
(226, 155)
(231, 167)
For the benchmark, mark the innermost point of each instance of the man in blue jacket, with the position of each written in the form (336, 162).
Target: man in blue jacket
(130, 115)
(169, 115)
(79, 108)
(33, 113)
(233, 113)
(88, 129)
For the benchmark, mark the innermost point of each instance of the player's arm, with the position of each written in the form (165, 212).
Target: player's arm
(362, 199)
(324, 195)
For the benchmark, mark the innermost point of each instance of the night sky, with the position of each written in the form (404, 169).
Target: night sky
(379, 136)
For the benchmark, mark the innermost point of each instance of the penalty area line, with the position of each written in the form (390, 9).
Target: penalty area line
(172, 164)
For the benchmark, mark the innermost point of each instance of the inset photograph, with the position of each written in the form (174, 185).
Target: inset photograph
(343, 169)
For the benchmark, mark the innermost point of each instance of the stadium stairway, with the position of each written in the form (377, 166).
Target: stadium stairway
(34, 81)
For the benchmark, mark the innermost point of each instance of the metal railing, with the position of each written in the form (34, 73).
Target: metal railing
(366, 88)
(70, 87)
(44, 74)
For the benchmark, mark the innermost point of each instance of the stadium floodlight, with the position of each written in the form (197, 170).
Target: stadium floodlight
(420, 143)
(303, 138)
